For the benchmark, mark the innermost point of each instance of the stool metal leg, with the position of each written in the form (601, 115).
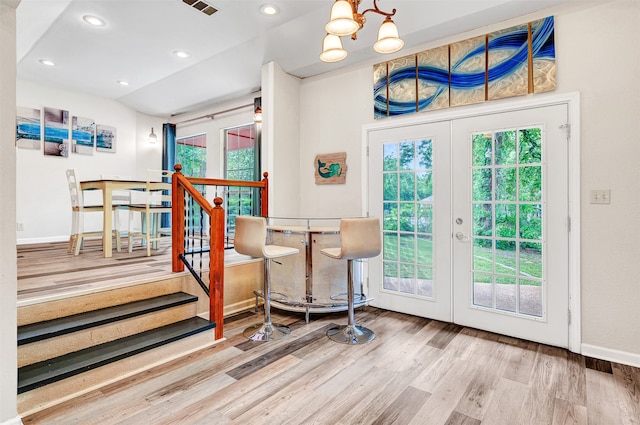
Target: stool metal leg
(350, 334)
(267, 330)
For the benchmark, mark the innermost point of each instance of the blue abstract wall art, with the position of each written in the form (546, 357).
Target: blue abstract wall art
(83, 135)
(508, 62)
(28, 128)
(544, 55)
(56, 132)
(433, 79)
(105, 138)
(511, 62)
(468, 71)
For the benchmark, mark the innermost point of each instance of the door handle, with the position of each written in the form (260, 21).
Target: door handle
(461, 237)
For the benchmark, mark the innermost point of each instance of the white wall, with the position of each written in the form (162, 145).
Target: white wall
(8, 268)
(599, 55)
(42, 204)
(597, 52)
(281, 139)
(334, 108)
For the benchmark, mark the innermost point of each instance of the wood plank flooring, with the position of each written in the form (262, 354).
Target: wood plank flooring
(416, 371)
(47, 271)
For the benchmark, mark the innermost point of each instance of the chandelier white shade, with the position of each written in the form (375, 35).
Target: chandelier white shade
(346, 20)
(388, 39)
(332, 50)
(342, 22)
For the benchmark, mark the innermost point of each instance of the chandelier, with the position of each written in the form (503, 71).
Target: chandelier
(346, 20)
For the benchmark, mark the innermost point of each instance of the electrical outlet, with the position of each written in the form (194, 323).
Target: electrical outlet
(600, 196)
(20, 227)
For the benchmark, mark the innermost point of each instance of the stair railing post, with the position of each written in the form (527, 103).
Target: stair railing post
(177, 219)
(264, 196)
(216, 267)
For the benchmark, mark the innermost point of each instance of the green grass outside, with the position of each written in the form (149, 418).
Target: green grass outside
(407, 252)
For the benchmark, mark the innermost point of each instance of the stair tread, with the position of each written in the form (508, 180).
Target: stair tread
(48, 371)
(51, 328)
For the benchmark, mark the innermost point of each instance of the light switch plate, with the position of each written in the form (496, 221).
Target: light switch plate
(601, 196)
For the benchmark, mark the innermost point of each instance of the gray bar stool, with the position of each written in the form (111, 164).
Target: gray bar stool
(359, 238)
(250, 239)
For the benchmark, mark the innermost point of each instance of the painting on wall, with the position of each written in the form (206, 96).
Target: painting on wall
(543, 52)
(331, 168)
(468, 71)
(511, 62)
(105, 138)
(433, 79)
(508, 62)
(28, 128)
(402, 85)
(83, 135)
(380, 95)
(56, 132)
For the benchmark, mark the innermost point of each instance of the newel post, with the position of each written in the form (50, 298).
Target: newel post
(264, 196)
(177, 219)
(216, 267)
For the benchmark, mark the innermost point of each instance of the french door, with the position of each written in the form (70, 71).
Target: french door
(475, 222)
(410, 191)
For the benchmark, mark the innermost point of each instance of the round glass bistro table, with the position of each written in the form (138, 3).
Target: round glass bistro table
(309, 281)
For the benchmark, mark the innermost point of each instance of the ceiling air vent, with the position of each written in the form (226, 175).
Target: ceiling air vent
(203, 7)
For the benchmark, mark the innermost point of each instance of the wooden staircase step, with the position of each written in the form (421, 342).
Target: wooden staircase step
(42, 373)
(76, 322)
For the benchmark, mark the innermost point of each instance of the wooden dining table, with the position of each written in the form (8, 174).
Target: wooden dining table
(108, 186)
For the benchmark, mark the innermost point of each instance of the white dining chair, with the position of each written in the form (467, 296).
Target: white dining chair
(157, 202)
(121, 199)
(78, 211)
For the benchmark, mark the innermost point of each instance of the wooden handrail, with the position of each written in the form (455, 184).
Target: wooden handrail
(181, 184)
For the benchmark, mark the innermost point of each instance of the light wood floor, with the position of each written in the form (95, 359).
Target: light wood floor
(416, 371)
(47, 271)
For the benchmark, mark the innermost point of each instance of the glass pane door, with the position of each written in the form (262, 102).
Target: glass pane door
(410, 192)
(507, 209)
(510, 224)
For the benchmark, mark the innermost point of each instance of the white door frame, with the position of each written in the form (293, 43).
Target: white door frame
(572, 100)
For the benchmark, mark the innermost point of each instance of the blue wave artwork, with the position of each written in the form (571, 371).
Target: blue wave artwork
(506, 73)
(380, 90)
(402, 77)
(544, 55)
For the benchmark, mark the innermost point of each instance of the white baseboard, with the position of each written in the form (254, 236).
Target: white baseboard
(617, 356)
(29, 241)
(12, 421)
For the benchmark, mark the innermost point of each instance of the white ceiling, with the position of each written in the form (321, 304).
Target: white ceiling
(227, 48)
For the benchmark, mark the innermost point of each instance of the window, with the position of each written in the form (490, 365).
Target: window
(241, 163)
(191, 153)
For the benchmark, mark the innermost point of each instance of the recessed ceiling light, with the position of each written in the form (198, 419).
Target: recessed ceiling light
(46, 62)
(123, 82)
(181, 54)
(269, 9)
(93, 20)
